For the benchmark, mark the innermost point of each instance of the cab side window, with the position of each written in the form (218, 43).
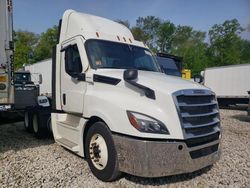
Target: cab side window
(73, 64)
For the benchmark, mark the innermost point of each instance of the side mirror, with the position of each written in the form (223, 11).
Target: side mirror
(79, 76)
(130, 74)
(40, 81)
(198, 78)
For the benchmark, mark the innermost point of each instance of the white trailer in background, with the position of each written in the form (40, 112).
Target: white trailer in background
(44, 69)
(230, 83)
(6, 55)
(16, 90)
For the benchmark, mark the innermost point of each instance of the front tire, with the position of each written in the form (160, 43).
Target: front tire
(101, 153)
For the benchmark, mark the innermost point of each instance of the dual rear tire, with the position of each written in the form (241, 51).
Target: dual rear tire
(28, 121)
(36, 122)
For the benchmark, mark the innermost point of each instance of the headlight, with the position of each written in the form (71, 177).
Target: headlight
(144, 123)
(2, 86)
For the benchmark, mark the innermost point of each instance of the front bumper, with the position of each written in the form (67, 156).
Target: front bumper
(161, 158)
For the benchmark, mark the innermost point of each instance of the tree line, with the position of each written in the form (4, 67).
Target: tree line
(221, 45)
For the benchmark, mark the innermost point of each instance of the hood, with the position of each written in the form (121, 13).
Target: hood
(154, 80)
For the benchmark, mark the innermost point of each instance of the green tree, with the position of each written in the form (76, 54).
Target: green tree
(225, 43)
(25, 43)
(245, 51)
(148, 28)
(44, 47)
(165, 35)
(190, 45)
(123, 22)
(139, 34)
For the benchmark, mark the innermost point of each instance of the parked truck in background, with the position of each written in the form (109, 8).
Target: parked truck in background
(230, 83)
(112, 105)
(6, 56)
(169, 64)
(41, 73)
(26, 91)
(173, 65)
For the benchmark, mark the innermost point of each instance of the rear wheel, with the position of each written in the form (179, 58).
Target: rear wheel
(35, 124)
(39, 127)
(101, 153)
(28, 121)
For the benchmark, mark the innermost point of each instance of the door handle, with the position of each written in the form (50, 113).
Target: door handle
(64, 99)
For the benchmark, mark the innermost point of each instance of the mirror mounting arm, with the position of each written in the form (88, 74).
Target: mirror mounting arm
(130, 76)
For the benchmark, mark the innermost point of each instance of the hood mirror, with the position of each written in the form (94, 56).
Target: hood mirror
(198, 78)
(130, 74)
(40, 79)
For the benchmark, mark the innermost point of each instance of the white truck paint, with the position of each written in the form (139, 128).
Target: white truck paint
(6, 55)
(229, 82)
(113, 106)
(43, 68)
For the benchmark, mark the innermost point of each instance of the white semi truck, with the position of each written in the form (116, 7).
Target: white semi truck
(113, 106)
(6, 55)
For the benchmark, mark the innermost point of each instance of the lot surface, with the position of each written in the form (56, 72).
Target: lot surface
(28, 162)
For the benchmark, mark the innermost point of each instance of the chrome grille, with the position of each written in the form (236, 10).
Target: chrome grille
(199, 115)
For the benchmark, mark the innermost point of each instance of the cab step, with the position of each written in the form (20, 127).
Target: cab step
(68, 144)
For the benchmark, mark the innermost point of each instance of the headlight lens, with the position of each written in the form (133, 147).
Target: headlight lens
(144, 123)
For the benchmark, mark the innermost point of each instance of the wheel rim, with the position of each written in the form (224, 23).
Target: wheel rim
(35, 124)
(26, 120)
(98, 151)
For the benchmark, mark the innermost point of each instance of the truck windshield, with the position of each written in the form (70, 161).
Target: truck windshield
(22, 77)
(106, 54)
(168, 66)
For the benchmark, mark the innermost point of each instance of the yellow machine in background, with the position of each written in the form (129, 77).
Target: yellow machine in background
(186, 74)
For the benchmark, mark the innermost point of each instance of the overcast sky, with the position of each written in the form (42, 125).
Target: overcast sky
(38, 15)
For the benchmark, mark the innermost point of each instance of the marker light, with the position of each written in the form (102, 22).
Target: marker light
(3, 78)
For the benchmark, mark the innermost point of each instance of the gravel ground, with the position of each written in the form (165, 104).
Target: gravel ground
(28, 162)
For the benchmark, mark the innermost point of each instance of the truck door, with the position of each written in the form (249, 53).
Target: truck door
(73, 85)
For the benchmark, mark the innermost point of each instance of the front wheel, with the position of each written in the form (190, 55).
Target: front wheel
(101, 153)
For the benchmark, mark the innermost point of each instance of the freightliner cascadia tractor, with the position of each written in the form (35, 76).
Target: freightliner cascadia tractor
(112, 105)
